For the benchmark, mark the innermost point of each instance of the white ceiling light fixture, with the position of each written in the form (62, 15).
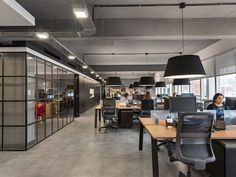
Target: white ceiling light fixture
(71, 57)
(92, 72)
(42, 35)
(85, 67)
(80, 12)
(97, 75)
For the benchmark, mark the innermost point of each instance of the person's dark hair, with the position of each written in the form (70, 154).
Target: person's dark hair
(216, 96)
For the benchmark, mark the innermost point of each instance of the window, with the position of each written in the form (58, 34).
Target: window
(195, 87)
(226, 84)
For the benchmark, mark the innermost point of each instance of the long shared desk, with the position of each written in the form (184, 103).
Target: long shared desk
(161, 132)
(118, 107)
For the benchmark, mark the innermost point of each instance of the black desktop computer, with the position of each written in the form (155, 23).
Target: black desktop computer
(182, 104)
(230, 103)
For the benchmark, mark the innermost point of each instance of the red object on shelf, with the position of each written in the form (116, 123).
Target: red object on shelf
(40, 109)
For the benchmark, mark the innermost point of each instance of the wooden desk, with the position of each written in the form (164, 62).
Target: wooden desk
(98, 109)
(160, 131)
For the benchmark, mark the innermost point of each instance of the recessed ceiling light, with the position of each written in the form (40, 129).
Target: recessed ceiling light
(97, 75)
(100, 77)
(42, 35)
(55, 67)
(92, 72)
(80, 13)
(85, 66)
(30, 58)
(71, 57)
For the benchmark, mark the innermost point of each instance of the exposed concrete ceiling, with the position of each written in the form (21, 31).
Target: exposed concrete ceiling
(130, 30)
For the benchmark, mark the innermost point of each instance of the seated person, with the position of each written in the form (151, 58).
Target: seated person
(147, 105)
(125, 99)
(217, 105)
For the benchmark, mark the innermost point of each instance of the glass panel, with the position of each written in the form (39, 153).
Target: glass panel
(40, 131)
(185, 88)
(31, 135)
(226, 85)
(14, 113)
(40, 66)
(1, 64)
(0, 113)
(14, 88)
(60, 121)
(14, 138)
(1, 138)
(31, 88)
(204, 89)
(31, 65)
(0, 88)
(195, 87)
(211, 88)
(48, 127)
(31, 112)
(41, 92)
(14, 64)
(54, 122)
(48, 71)
(40, 111)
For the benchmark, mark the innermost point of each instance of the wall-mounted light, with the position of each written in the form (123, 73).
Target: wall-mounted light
(71, 57)
(42, 35)
(80, 12)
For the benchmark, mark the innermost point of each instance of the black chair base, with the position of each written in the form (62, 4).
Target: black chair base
(110, 125)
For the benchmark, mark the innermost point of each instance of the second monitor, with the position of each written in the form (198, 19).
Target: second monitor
(182, 104)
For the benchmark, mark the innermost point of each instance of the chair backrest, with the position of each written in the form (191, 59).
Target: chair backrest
(193, 139)
(109, 108)
(146, 106)
(207, 103)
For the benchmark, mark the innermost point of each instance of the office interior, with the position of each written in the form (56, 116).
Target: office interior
(117, 88)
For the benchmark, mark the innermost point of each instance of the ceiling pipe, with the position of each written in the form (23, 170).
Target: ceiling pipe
(161, 5)
(151, 53)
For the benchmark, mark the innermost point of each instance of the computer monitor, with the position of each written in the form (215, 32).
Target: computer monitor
(230, 103)
(182, 104)
(187, 94)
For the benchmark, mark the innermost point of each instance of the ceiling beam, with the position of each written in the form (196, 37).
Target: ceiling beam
(163, 29)
(117, 68)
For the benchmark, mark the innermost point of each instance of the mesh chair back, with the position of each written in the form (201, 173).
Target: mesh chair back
(193, 139)
(207, 103)
(109, 108)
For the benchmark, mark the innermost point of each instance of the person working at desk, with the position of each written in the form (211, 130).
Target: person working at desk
(147, 105)
(217, 105)
(125, 99)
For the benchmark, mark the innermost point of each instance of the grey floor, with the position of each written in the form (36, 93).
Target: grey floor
(79, 150)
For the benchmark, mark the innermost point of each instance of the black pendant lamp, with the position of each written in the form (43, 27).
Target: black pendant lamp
(184, 66)
(181, 82)
(114, 81)
(131, 86)
(160, 84)
(147, 81)
(149, 87)
(136, 84)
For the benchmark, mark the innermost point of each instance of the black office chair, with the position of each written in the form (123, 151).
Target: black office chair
(193, 140)
(207, 103)
(109, 114)
(146, 106)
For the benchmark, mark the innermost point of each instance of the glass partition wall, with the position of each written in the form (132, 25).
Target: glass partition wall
(36, 100)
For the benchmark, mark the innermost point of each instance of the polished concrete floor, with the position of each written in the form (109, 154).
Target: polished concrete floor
(79, 150)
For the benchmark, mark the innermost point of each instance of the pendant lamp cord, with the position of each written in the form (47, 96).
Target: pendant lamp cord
(182, 5)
